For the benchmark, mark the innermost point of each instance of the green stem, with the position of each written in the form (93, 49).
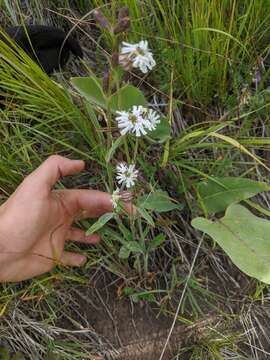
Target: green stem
(136, 150)
(127, 150)
(167, 144)
(142, 242)
(110, 176)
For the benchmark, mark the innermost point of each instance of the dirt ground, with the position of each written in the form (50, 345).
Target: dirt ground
(132, 331)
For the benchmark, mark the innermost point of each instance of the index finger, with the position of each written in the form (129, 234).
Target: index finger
(55, 167)
(89, 203)
(93, 203)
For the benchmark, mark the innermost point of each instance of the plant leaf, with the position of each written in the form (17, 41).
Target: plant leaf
(126, 97)
(162, 131)
(144, 214)
(244, 237)
(91, 89)
(100, 223)
(124, 252)
(144, 295)
(156, 242)
(159, 201)
(218, 193)
(134, 246)
(113, 148)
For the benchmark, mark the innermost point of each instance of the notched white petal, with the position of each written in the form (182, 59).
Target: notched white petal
(126, 174)
(137, 56)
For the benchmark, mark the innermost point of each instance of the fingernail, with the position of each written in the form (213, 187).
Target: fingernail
(81, 259)
(94, 238)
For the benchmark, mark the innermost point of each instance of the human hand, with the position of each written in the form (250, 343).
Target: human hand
(36, 221)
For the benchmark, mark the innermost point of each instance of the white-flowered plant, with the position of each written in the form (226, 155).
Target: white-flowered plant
(138, 120)
(126, 174)
(137, 56)
(123, 106)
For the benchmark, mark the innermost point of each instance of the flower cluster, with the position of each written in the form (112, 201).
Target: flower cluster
(137, 56)
(138, 120)
(126, 177)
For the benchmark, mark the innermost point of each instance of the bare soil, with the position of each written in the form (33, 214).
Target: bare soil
(134, 331)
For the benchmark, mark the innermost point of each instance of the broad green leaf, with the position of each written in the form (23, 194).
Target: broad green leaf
(158, 201)
(162, 131)
(126, 97)
(156, 242)
(91, 89)
(124, 252)
(100, 223)
(244, 237)
(218, 193)
(113, 148)
(144, 214)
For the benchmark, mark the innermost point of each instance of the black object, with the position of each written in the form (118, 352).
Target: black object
(48, 46)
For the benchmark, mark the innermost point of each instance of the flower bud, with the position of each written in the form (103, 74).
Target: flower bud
(101, 20)
(123, 13)
(122, 25)
(126, 196)
(126, 61)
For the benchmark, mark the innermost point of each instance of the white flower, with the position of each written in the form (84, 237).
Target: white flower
(138, 120)
(115, 198)
(126, 174)
(153, 119)
(137, 55)
(124, 122)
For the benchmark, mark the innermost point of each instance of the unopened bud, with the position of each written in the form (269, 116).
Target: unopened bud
(126, 196)
(101, 20)
(123, 13)
(125, 61)
(122, 25)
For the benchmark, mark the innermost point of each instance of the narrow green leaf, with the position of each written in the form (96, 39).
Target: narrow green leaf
(118, 142)
(156, 242)
(218, 193)
(100, 223)
(145, 296)
(125, 231)
(225, 34)
(91, 89)
(244, 237)
(144, 214)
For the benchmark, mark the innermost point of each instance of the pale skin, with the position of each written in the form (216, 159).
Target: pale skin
(36, 221)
